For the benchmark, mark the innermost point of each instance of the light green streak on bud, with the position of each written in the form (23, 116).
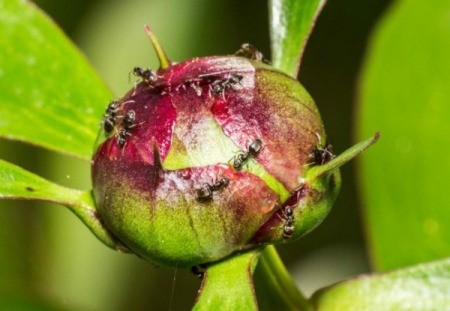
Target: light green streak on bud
(213, 147)
(209, 146)
(257, 169)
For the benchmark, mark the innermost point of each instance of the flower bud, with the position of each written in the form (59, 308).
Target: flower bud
(209, 157)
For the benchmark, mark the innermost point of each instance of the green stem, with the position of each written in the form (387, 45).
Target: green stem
(281, 281)
(228, 284)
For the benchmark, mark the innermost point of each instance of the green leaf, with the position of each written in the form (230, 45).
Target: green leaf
(49, 94)
(422, 287)
(405, 95)
(17, 183)
(228, 284)
(291, 23)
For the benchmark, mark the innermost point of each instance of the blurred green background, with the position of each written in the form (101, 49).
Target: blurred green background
(48, 257)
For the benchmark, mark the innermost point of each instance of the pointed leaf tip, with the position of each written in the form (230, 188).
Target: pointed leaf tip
(164, 62)
(341, 159)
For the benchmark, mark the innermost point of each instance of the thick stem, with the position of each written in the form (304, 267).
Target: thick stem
(279, 280)
(228, 284)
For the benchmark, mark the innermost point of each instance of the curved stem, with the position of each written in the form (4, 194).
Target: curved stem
(280, 279)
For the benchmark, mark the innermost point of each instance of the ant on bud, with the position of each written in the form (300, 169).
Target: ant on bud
(128, 123)
(321, 155)
(249, 51)
(219, 86)
(206, 192)
(288, 216)
(110, 118)
(147, 75)
(253, 149)
(122, 137)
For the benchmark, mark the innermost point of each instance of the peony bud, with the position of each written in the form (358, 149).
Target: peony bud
(209, 157)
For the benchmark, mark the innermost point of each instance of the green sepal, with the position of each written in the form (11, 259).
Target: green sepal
(317, 171)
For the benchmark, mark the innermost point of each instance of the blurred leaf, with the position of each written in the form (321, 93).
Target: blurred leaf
(291, 23)
(17, 183)
(49, 95)
(406, 95)
(423, 287)
(228, 284)
(25, 304)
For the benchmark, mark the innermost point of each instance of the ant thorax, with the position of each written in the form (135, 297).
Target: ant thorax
(253, 149)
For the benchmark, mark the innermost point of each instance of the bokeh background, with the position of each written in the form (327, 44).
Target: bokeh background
(48, 257)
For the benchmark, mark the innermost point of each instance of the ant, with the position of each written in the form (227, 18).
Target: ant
(206, 192)
(288, 229)
(253, 149)
(121, 138)
(249, 51)
(147, 75)
(219, 86)
(321, 155)
(128, 123)
(110, 118)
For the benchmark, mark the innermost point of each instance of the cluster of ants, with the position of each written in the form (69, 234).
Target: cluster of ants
(112, 117)
(218, 86)
(111, 121)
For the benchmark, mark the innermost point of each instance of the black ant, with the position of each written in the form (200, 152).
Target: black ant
(219, 86)
(206, 192)
(128, 123)
(128, 120)
(110, 118)
(122, 136)
(147, 75)
(249, 51)
(253, 149)
(288, 229)
(321, 155)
